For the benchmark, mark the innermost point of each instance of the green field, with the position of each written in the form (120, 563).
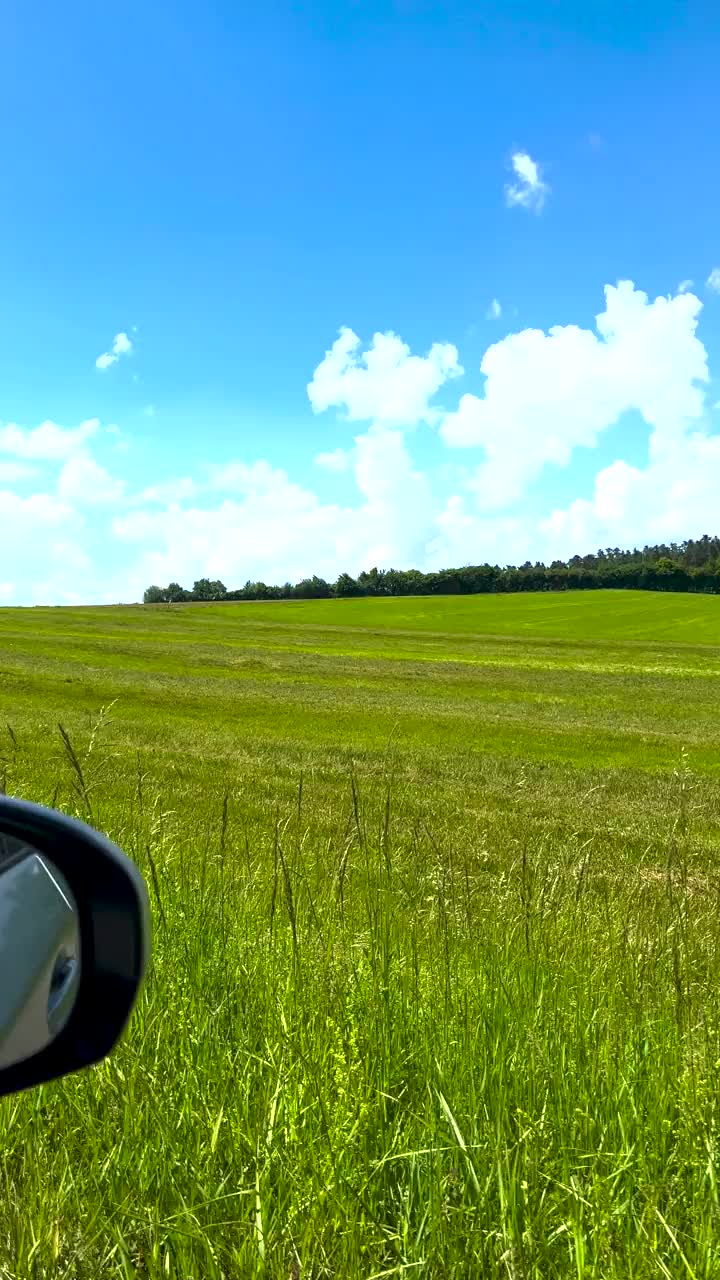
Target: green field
(436, 978)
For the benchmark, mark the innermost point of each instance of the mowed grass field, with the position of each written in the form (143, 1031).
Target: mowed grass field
(436, 976)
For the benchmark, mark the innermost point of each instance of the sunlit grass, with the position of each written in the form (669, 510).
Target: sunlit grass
(436, 979)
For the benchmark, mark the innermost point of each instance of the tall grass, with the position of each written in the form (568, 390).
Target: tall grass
(383, 1038)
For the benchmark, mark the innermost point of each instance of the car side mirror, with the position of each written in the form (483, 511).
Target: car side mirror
(74, 944)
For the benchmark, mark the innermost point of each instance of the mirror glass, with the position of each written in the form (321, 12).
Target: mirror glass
(39, 951)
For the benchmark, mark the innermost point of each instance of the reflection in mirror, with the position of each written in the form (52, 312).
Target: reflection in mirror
(39, 951)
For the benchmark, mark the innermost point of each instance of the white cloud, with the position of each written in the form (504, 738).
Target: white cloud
(121, 346)
(336, 460)
(273, 528)
(84, 482)
(167, 492)
(48, 442)
(548, 393)
(385, 383)
(713, 280)
(528, 190)
(684, 285)
(399, 510)
(275, 531)
(463, 535)
(494, 310)
(244, 477)
(49, 557)
(673, 498)
(43, 508)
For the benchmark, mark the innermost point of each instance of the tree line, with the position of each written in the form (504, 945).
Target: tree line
(686, 566)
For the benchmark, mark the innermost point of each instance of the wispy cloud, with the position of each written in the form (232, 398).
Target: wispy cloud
(336, 460)
(121, 346)
(713, 280)
(494, 311)
(12, 472)
(529, 190)
(684, 285)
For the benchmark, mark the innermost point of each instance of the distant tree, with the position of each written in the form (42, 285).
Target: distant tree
(312, 589)
(396, 582)
(414, 582)
(372, 582)
(255, 591)
(346, 586)
(204, 589)
(693, 565)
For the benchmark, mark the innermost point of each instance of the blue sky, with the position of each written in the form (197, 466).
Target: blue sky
(229, 186)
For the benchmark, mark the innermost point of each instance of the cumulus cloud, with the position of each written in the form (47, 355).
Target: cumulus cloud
(84, 482)
(273, 528)
(50, 561)
(546, 394)
(713, 280)
(385, 383)
(398, 510)
(528, 189)
(462, 534)
(48, 442)
(121, 346)
(44, 508)
(494, 310)
(672, 498)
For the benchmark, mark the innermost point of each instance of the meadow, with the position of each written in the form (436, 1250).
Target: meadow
(436, 977)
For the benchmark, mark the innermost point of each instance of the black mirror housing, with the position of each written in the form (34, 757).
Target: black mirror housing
(114, 926)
